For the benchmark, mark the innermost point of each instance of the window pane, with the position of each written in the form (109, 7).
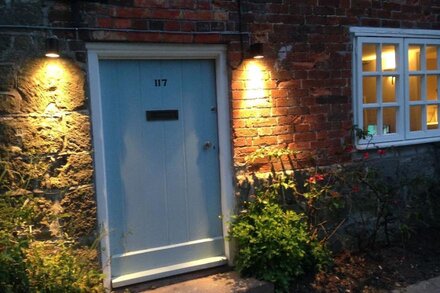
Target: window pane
(415, 83)
(432, 116)
(369, 89)
(388, 57)
(414, 57)
(369, 57)
(389, 89)
(370, 121)
(415, 117)
(431, 57)
(389, 120)
(431, 87)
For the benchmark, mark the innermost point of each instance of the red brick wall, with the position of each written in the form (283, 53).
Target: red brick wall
(305, 100)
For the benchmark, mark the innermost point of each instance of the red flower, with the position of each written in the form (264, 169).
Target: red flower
(349, 148)
(319, 177)
(315, 178)
(356, 188)
(381, 152)
(365, 155)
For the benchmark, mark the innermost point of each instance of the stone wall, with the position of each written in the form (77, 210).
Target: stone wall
(45, 145)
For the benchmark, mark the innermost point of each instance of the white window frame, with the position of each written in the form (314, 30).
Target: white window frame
(422, 133)
(401, 37)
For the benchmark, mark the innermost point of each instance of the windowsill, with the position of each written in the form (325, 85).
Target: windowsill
(389, 144)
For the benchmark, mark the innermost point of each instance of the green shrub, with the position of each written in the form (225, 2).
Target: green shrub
(28, 264)
(273, 244)
(13, 276)
(59, 267)
(15, 215)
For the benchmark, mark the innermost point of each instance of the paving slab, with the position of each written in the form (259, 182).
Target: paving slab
(428, 286)
(219, 283)
(215, 280)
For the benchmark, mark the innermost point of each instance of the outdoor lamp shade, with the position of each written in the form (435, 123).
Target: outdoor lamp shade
(52, 47)
(256, 51)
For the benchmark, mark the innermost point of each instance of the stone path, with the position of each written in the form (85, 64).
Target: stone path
(220, 283)
(230, 282)
(223, 281)
(428, 286)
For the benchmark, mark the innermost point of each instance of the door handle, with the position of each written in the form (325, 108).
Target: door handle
(207, 145)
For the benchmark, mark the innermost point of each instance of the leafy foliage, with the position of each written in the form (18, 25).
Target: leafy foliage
(273, 244)
(16, 214)
(29, 264)
(13, 276)
(289, 215)
(59, 267)
(309, 191)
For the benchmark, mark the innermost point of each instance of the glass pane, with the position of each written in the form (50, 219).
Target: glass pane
(389, 120)
(369, 89)
(370, 121)
(369, 57)
(415, 118)
(388, 57)
(415, 86)
(431, 57)
(432, 116)
(414, 57)
(389, 89)
(431, 87)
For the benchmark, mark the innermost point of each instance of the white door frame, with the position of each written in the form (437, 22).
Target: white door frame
(97, 51)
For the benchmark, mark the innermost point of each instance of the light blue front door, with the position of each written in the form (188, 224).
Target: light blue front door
(162, 167)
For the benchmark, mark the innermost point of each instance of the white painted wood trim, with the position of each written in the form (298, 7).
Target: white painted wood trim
(155, 51)
(98, 51)
(99, 163)
(225, 149)
(359, 74)
(407, 142)
(404, 37)
(393, 32)
(163, 272)
(189, 243)
(424, 133)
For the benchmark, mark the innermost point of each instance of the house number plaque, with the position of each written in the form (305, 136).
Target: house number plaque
(160, 82)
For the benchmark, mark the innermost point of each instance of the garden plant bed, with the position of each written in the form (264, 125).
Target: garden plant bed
(385, 268)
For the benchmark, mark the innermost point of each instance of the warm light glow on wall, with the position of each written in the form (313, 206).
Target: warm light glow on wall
(55, 84)
(53, 70)
(55, 77)
(52, 110)
(255, 82)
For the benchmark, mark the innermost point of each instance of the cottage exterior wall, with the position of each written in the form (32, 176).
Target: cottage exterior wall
(304, 103)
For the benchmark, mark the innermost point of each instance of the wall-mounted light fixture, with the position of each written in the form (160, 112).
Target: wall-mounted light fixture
(256, 50)
(52, 47)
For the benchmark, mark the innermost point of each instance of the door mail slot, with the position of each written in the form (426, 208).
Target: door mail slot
(158, 115)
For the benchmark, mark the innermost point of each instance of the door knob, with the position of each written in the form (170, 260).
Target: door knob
(207, 145)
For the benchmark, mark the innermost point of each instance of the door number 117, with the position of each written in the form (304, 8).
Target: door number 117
(160, 82)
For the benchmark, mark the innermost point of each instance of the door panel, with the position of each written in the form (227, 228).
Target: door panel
(162, 183)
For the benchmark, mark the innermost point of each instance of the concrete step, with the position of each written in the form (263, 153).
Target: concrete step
(218, 283)
(218, 280)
